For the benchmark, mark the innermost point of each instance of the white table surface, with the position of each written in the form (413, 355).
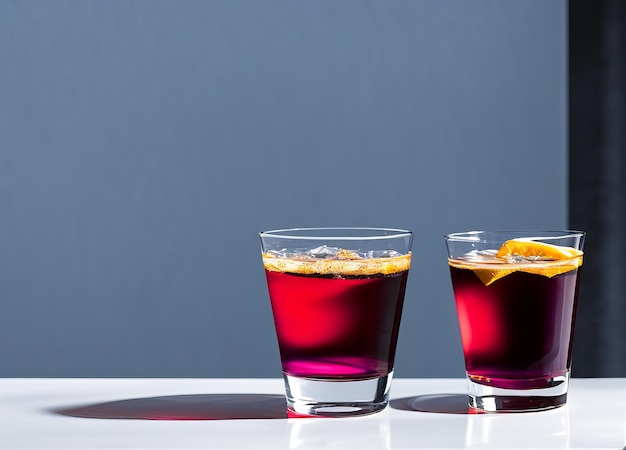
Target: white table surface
(250, 413)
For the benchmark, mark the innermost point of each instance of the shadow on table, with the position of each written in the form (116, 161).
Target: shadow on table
(239, 406)
(434, 403)
(186, 407)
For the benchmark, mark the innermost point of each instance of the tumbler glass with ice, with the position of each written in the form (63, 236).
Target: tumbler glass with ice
(337, 296)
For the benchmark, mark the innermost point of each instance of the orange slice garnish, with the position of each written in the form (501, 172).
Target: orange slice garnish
(488, 276)
(525, 255)
(533, 249)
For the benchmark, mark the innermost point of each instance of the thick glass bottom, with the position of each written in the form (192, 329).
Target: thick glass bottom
(337, 398)
(525, 397)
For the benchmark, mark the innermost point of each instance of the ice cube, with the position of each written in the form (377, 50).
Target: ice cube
(515, 259)
(382, 254)
(481, 256)
(283, 253)
(469, 256)
(324, 252)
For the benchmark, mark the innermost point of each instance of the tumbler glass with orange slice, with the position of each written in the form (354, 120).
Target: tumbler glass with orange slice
(516, 296)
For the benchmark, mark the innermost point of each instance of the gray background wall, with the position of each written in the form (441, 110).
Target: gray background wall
(144, 144)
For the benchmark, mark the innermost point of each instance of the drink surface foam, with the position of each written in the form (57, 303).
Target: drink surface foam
(346, 263)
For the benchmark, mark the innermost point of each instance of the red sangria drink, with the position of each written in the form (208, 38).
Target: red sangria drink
(516, 296)
(337, 297)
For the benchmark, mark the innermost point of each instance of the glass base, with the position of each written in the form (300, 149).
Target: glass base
(525, 395)
(337, 398)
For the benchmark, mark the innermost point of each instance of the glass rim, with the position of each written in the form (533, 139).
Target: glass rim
(474, 236)
(393, 233)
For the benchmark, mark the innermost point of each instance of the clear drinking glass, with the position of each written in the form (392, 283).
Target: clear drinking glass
(516, 296)
(337, 296)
